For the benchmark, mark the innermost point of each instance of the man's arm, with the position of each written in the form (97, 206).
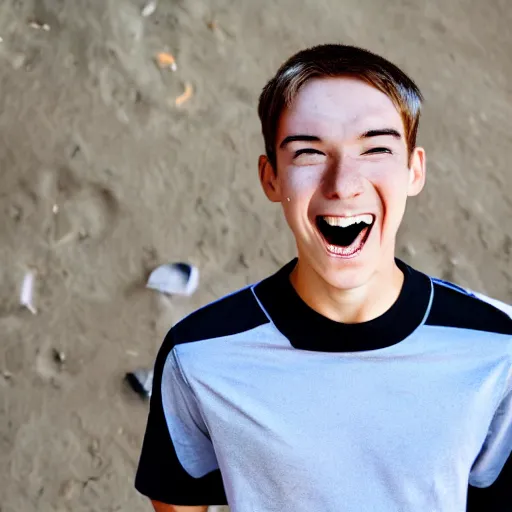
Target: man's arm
(162, 507)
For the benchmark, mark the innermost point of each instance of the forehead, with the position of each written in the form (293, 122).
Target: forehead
(339, 106)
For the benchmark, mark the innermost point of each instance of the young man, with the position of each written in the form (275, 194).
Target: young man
(347, 381)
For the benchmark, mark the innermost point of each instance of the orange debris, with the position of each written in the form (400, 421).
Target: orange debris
(166, 60)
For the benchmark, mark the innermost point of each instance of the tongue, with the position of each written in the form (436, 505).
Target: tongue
(341, 237)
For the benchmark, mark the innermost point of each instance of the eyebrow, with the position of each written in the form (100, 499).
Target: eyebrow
(378, 133)
(366, 135)
(301, 138)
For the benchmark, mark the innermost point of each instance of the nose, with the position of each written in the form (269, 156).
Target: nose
(343, 180)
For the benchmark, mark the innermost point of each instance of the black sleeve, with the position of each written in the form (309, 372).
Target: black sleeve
(177, 464)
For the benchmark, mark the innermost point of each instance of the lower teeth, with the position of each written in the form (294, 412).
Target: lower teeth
(342, 250)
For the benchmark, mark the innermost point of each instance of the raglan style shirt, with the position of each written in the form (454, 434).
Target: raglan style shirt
(262, 403)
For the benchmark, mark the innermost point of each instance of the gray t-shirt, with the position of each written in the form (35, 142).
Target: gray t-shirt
(264, 404)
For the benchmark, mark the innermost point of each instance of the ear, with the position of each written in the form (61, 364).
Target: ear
(269, 180)
(417, 172)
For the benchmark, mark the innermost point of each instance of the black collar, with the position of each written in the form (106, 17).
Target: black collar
(308, 330)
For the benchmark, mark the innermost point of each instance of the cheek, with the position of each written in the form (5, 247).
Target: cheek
(391, 179)
(295, 214)
(301, 182)
(392, 186)
(299, 185)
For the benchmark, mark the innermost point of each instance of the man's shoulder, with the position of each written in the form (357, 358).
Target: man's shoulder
(458, 307)
(232, 314)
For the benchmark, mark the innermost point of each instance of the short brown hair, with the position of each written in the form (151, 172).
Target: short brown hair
(336, 60)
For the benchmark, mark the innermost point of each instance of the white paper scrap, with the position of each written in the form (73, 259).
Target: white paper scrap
(174, 279)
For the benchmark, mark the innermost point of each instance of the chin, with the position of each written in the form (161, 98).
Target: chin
(338, 272)
(347, 277)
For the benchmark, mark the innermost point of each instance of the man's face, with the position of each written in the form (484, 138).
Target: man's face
(343, 176)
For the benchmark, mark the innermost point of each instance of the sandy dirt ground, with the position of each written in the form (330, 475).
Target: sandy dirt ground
(90, 124)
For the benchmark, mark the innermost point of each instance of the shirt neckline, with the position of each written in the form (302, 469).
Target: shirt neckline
(307, 329)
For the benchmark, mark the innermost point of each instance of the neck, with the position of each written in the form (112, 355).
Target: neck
(351, 306)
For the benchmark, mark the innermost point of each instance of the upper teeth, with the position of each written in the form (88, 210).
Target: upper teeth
(344, 222)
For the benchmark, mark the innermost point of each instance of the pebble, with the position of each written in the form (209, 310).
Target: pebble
(68, 489)
(18, 60)
(149, 8)
(409, 250)
(59, 356)
(37, 25)
(94, 447)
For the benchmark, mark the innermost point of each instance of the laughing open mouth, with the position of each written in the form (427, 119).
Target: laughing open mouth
(345, 236)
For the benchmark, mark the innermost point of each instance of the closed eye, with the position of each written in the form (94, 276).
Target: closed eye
(308, 156)
(307, 151)
(377, 150)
